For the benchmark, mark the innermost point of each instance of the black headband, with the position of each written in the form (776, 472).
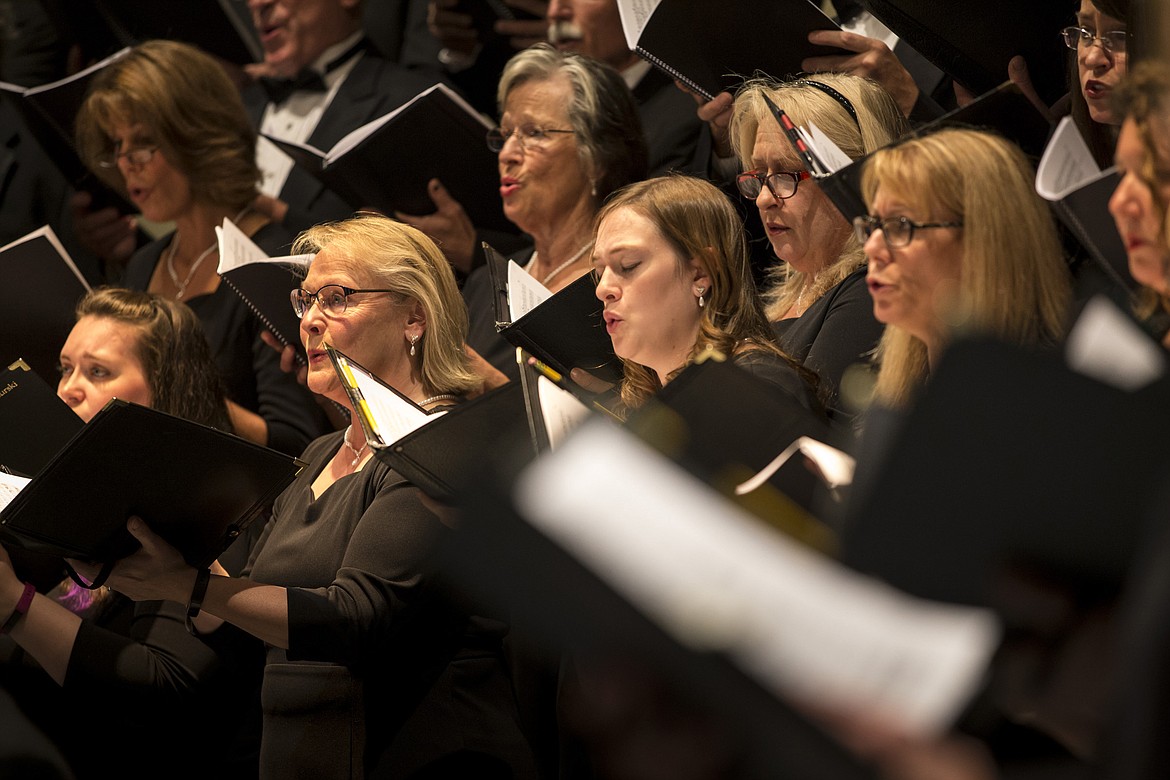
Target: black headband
(844, 101)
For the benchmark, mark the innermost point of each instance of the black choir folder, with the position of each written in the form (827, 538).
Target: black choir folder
(49, 112)
(564, 330)
(1013, 460)
(437, 451)
(386, 164)
(196, 486)
(1069, 178)
(36, 323)
(724, 425)
(264, 283)
(36, 423)
(974, 42)
(1004, 111)
(608, 551)
(511, 424)
(713, 47)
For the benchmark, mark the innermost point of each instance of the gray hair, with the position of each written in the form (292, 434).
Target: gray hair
(601, 111)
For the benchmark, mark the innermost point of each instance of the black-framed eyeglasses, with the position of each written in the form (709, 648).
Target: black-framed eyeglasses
(139, 155)
(782, 184)
(897, 231)
(1112, 42)
(331, 298)
(529, 136)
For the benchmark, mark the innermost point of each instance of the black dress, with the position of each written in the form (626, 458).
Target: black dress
(383, 676)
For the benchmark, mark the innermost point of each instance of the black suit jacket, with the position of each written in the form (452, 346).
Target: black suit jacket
(669, 123)
(373, 88)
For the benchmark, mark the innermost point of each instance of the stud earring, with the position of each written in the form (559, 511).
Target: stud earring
(413, 341)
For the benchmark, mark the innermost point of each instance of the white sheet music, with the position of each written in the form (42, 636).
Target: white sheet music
(386, 416)
(835, 467)
(10, 485)
(1067, 163)
(1106, 345)
(824, 148)
(634, 15)
(236, 249)
(718, 579)
(561, 410)
(524, 292)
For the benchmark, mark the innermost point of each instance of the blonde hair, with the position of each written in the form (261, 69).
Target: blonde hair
(1014, 283)
(400, 258)
(878, 122)
(698, 221)
(188, 106)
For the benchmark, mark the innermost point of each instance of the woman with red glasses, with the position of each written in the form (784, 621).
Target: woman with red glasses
(816, 299)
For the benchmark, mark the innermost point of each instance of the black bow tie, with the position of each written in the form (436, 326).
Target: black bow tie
(308, 80)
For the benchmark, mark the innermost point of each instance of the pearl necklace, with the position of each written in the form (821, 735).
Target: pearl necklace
(552, 275)
(182, 286)
(439, 397)
(357, 453)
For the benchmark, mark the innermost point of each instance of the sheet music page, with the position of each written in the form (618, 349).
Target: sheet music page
(524, 292)
(824, 148)
(1105, 344)
(562, 411)
(635, 14)
(835, 467)
(804, 626)
(392, 417)
(236, 249)
(10, 485)
(1066, 164)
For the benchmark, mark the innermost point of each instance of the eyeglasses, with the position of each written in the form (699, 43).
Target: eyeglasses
(897, 231)
(1112, 42)
(529, 136)
(782, 184)
(140, 155)
(332, 298)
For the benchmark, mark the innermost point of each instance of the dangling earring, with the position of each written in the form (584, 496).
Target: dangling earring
(702, 291)
(593, 188)
(413, 341)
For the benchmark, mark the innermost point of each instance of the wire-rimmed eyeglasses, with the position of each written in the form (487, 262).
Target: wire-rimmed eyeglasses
(529, 136)
(139, 155)
(331, 298)
(1112, 42)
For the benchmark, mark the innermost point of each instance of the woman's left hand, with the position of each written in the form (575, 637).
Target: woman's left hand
(155, 572)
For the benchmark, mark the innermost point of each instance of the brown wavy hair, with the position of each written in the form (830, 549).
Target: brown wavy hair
(698, 221)
(173, 350)
(188, 106)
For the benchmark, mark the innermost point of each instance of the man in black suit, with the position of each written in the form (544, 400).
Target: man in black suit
(320, 79)
(594, 28)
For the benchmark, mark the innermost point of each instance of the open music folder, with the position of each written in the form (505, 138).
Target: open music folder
(715, 47)
(387, 163)
(35, 324)
(564, 330)
(196, 486)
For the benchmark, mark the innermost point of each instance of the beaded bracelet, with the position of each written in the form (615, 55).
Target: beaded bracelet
(22, 606)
